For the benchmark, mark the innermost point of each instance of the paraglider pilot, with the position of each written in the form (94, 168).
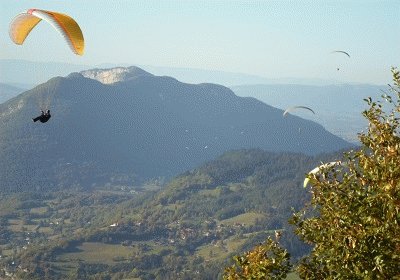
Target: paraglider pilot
(44, 117)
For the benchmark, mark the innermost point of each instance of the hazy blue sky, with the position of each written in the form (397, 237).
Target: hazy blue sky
(273, 39)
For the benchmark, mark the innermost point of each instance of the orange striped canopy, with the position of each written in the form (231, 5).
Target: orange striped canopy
(23, 24)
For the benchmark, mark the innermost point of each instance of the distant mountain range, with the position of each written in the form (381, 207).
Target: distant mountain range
(338, 107)
(323, 95)
(9, 91)
(30, 73)
(129, 125)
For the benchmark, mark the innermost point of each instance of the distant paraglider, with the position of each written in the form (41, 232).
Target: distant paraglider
(346, 53)
(343, 52)
(297, 107)
(23, 24)
(319, 168)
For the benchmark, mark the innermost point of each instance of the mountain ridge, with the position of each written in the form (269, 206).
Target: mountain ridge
(18, 70)
(9, 91)
(143, 127)
(113, 75)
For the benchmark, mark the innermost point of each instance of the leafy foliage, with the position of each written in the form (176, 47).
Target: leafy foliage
(353, 219)
(265, 261)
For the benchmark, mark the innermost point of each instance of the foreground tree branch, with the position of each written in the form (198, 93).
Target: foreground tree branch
(353, 219)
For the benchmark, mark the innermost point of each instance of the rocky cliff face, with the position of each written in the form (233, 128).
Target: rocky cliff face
(114, 75)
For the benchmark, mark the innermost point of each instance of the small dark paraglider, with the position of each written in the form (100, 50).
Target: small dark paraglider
(346, 53)
(44, 117)
(343, 52)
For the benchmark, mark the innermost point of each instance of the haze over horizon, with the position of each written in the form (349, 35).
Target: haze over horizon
(199, 139)
(271, 39)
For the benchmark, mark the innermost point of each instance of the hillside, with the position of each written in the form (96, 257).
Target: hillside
(135, 127)
(187, 230)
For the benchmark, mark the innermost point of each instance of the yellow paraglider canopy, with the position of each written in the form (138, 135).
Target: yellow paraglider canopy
(23, 24)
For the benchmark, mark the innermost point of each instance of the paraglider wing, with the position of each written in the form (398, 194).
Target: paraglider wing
(23, 24)
(297, 107)
(319, 168)
(341, 52)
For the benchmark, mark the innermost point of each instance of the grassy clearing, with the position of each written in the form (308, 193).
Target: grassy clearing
(212, 193)
(235, 187)
(95, 252)
(7, 252)
(8, 206)
(292, 276)
(46, 230)
(151, 188)
(15, 222)
(174, 206)
(246, 218)
(17, 225)
(62, 211)
(233, 244)
(39, 210)
(220, 250)
(211, 252)
(25, 228)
